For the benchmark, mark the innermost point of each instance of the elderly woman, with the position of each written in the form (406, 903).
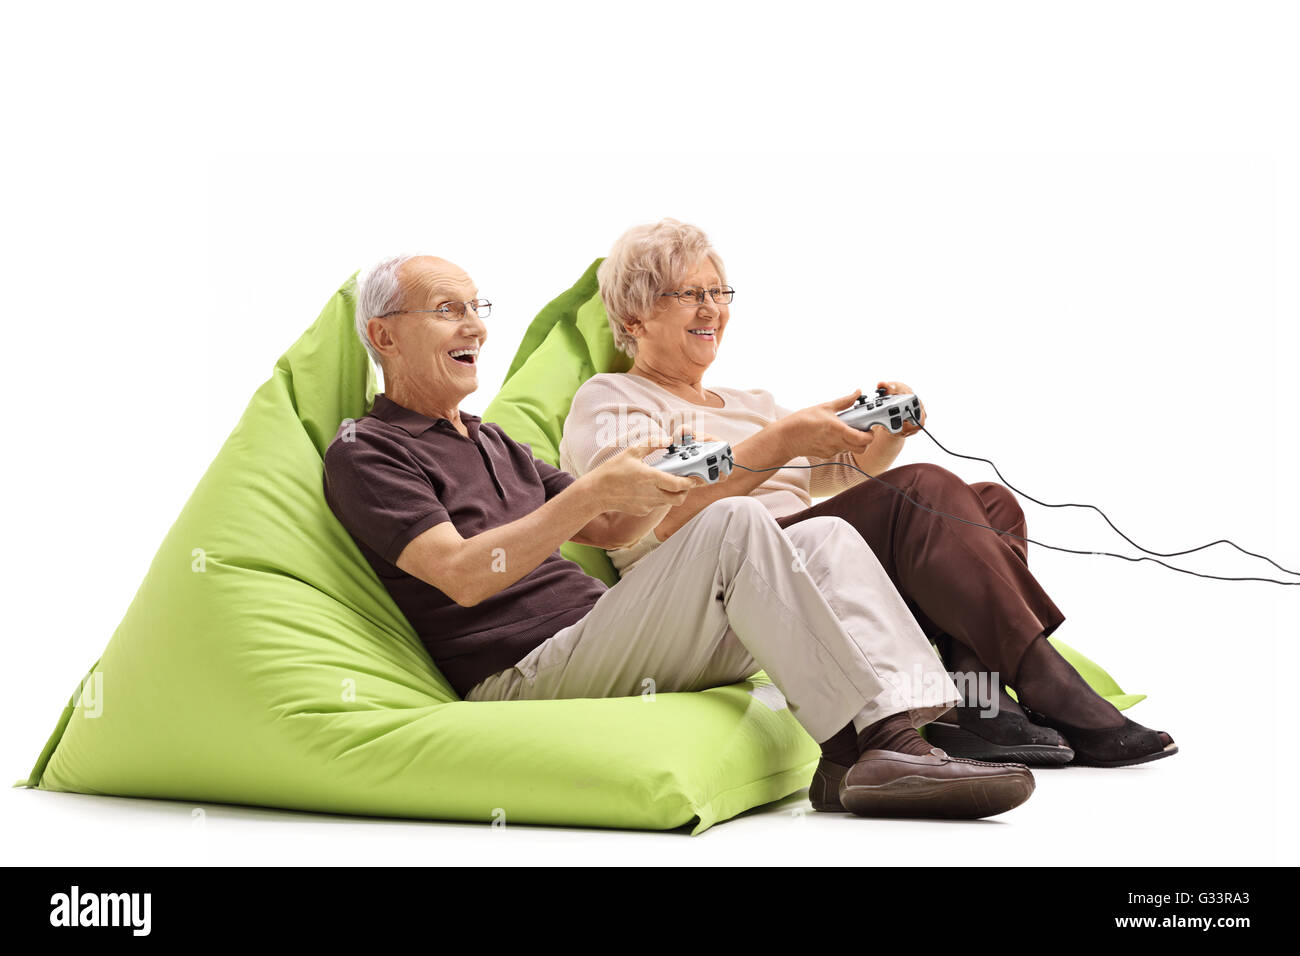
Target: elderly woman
(969, 588)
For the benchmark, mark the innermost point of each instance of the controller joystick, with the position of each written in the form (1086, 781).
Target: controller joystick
(709, 460)
(887, 411)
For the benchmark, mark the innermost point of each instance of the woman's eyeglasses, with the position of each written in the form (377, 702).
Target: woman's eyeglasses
(693, 297)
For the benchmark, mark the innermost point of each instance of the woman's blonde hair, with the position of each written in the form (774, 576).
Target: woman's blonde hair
(646, 262)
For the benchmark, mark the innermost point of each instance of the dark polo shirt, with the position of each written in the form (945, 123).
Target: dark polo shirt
(404, 473)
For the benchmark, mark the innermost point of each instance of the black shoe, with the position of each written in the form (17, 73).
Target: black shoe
(1123, 746)
(1007, 737)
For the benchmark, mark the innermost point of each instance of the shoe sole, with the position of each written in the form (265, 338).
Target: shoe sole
(829, 807)
(1147, 758)
(917, 796)
(958, 742)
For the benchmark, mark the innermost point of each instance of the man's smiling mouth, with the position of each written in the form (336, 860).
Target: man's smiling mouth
(464, 356)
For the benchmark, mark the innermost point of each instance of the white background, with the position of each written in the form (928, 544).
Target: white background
(1074, 229)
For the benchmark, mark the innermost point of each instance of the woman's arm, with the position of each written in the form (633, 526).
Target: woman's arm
(813, 432)
(879, 456)
(886, 446)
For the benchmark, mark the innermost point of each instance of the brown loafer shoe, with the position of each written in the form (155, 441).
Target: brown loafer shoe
(886, 784)
(824, 791)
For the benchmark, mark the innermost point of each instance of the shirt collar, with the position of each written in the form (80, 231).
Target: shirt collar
(415, 424)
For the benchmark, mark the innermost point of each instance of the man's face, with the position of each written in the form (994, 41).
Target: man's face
(437, 350)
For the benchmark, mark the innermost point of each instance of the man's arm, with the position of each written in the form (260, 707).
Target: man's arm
(469, 570)
(614, 529)
(767, 448)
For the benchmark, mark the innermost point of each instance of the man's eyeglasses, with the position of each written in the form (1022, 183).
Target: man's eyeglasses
(694, 297)
(451, 311)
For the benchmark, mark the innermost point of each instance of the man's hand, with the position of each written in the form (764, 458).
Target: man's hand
(898, 388)
(627, 484)
(817, 432)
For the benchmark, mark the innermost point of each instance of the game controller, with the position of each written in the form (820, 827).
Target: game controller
(709, 459)
(888, 411)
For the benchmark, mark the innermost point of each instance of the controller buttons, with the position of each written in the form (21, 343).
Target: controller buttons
(713, 472)
(895, 422)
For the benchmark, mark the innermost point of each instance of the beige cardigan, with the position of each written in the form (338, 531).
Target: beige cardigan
(614, 409)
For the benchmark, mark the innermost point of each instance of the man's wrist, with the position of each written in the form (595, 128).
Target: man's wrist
(587, 491)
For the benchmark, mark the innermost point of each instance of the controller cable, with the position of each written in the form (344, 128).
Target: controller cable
(1159, 554)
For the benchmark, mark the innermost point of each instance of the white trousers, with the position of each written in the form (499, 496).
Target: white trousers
(731, 593)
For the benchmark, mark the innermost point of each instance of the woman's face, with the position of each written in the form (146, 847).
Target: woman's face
(683, 339)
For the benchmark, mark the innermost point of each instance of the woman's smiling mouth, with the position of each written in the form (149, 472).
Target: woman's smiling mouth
(705, 333)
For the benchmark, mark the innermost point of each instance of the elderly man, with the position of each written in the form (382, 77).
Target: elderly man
(463, 526)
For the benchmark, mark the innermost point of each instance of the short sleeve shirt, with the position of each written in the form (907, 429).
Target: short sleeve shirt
(395, 473)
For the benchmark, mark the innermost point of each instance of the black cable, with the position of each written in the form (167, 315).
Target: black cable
(1215, 577)
(1160, 554)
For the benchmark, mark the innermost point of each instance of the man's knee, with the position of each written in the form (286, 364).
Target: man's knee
(744, 529)
(826, 540)
(736, 519)
(816, 530)
(740, 508)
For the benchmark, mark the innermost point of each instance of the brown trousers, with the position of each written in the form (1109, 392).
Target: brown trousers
(955, 578)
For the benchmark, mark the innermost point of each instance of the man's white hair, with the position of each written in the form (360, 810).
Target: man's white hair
(379, 290)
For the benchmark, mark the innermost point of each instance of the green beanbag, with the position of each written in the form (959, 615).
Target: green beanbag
(262, 662)
(569, 342)
(565, 345)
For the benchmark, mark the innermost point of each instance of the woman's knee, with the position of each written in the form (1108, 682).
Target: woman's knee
(930, 479)
(1000, 498)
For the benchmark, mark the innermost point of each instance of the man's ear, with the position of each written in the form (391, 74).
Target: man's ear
(381, 337)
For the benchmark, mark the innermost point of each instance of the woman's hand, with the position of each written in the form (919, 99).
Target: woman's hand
(898, 388)
(817, 432)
